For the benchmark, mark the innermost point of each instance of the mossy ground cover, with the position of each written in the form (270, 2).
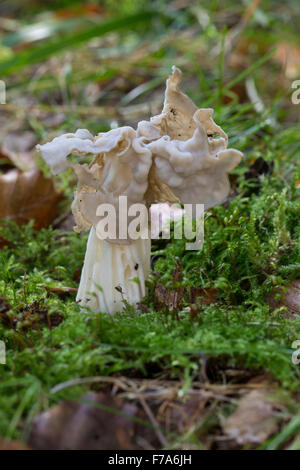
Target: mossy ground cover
(251, 248)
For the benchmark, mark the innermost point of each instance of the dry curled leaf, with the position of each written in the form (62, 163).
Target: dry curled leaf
(28, 195)
(254, 420)
(101, 422)
(17, 148)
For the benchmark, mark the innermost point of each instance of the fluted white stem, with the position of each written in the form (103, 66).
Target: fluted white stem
(112, 273)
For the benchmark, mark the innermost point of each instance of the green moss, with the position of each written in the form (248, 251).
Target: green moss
(250, 248)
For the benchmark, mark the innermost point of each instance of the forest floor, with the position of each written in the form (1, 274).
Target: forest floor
(217, 370)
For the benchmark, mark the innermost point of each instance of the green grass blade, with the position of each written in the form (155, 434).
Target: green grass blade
(44, 51)
(292, 428)
(250, 69)
(42, 30)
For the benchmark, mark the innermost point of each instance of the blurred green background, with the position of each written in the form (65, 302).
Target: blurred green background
(103, 60)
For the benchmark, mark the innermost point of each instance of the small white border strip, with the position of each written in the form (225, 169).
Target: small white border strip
(2, 353)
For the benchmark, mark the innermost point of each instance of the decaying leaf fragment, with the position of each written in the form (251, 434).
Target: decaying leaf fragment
(17, 148)
(100, 422)
(28, 195)
(25, 194)
(254, 420)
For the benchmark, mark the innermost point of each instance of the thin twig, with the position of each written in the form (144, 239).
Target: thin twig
(150, 415)
(85, 380)
(60, 290)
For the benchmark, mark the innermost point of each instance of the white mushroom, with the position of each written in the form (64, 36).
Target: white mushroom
(172, 157)
(114, 269)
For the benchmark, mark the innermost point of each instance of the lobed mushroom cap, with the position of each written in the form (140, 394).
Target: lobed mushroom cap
(188, 157)
(180, 154)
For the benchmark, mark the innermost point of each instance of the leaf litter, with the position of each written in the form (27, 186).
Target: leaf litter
(116, 418)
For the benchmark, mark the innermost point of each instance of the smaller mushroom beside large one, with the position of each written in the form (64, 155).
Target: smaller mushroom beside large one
(179, 155)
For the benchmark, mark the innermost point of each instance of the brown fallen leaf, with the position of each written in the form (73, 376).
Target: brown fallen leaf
(101, 422)
(17, 148)
(254, 420)
(28, 195)
(290, 298)
(288, 55)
